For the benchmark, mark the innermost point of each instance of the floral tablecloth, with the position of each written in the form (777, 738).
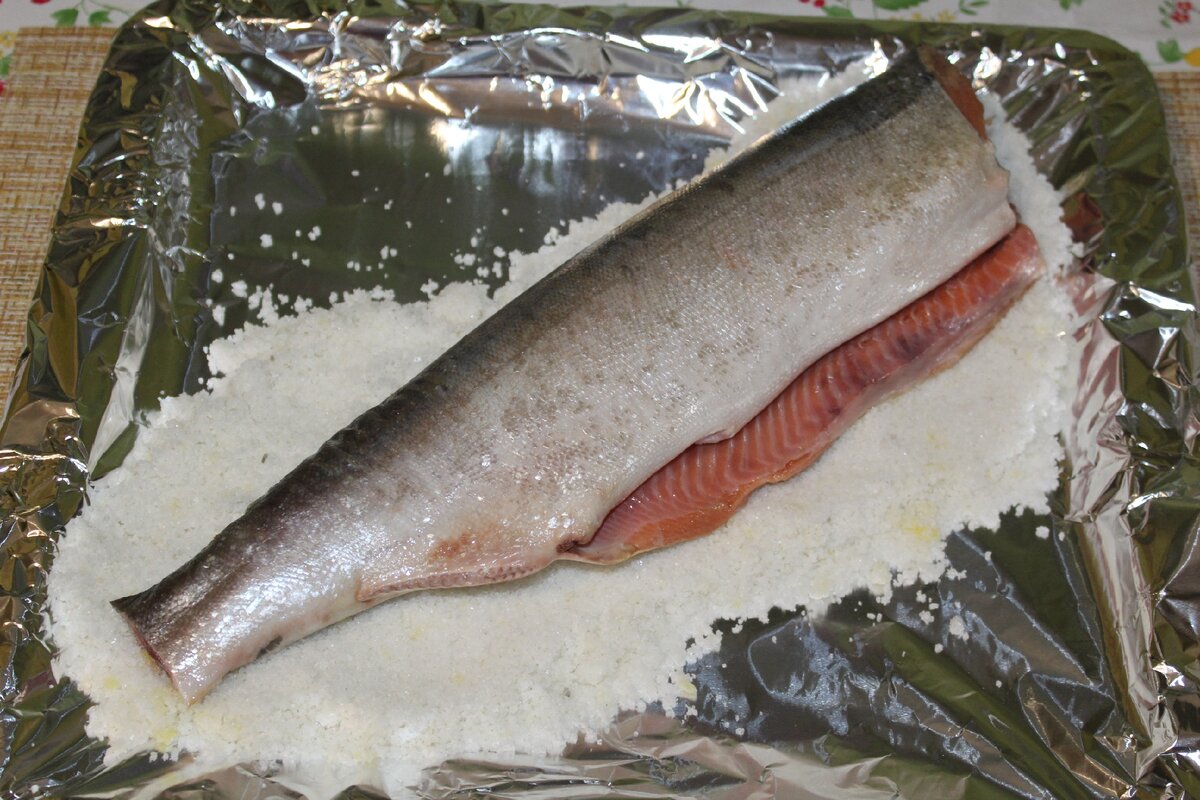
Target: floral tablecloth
(1165, 32)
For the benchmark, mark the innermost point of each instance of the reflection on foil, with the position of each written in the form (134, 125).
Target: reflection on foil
(1069, 667)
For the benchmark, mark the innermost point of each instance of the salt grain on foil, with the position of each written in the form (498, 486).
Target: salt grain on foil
(437, 675)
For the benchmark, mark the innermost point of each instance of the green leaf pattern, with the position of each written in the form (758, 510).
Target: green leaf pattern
(950, 11)
(65, 17)
(897, 5)
(94, 13)
(1170, 51)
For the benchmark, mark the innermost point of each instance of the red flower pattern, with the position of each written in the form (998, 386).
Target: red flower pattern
(1181, 14)
(816, 3)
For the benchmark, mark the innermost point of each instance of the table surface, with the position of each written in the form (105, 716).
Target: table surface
(52, 78)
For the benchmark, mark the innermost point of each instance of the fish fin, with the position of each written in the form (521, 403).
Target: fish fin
(376, 591)
(453, 561)
(470, 558)
(624, 535)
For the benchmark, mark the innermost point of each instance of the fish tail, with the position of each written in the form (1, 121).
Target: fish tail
(138, 611)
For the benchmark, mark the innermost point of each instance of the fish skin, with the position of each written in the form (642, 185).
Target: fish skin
(703, 487)
(512, 447)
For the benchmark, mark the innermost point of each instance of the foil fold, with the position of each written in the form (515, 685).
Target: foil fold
(1078, 676)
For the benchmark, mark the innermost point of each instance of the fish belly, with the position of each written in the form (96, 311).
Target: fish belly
(512, 448)
(702, 487)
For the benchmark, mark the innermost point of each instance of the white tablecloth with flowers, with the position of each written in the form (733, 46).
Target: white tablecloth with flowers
(1165, 32)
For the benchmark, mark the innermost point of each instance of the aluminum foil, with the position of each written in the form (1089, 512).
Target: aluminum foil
(1078, 677)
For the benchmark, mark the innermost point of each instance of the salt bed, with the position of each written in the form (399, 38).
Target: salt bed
(527, 666)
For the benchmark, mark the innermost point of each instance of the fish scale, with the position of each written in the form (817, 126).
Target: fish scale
(512, 448)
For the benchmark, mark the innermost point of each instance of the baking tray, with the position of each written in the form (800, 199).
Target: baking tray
(198, 107)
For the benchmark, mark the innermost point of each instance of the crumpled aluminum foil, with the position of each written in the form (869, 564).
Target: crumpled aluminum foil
(1078, 677)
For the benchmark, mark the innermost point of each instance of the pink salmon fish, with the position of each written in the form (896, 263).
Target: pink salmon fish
(680, 327)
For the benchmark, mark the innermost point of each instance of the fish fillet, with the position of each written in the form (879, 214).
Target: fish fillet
(702, 488)
(511, 449)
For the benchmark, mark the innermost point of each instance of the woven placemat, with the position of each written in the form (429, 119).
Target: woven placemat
(1180, 92)
(53, 72)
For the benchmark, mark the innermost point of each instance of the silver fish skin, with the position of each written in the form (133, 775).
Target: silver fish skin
(511, 448)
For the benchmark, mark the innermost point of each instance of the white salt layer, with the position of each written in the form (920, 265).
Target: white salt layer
(525, 666)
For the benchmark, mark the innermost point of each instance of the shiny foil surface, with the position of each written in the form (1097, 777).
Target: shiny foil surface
(1091, 633)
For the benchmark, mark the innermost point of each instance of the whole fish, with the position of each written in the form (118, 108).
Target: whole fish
(510, 450)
